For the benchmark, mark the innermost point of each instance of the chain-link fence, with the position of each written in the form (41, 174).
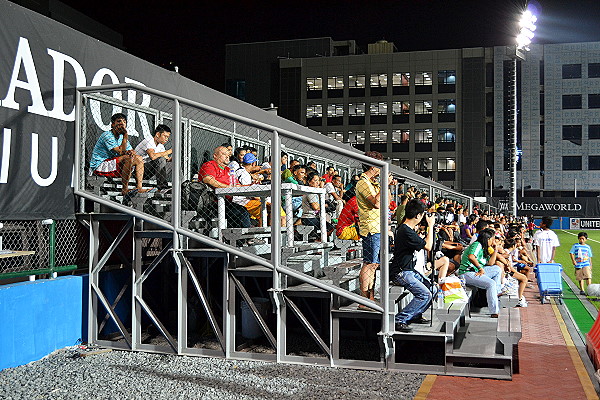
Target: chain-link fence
(37, 247)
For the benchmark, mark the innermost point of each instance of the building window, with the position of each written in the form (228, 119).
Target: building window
(594, 70)
(357, 137)
(593, 100)
(378, 136)
(446, 106)
(335, 82)
(423, 136)
(314, 83)
(571, 101)
(593, 131)
(423, 164)
(446, 164)
(314, 111)
(423, 78)
(339, 136)
(356, 109)
(400, 136)
(379, 80)
(400, 107)
(401, 162)
(446, 77)
(446, 135)
(335, 110)
(423, 107)
(571, 132)
(594, 163)
(378, 108)
(356, 81)
(571, 163)
(571, 71)
(401, 79)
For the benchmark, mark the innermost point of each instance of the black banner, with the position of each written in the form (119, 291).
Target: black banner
(41, 63)
(552, 206)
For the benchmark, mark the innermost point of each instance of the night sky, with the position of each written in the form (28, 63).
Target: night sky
(193, 34)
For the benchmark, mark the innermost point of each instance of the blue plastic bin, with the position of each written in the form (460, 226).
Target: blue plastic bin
(549, 281)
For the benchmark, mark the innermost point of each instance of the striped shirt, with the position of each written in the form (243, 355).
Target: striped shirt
(582, 253)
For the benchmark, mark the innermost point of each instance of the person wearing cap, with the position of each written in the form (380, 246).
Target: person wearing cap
(244, 177)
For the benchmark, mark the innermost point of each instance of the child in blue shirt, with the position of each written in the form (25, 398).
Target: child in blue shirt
(581, 255)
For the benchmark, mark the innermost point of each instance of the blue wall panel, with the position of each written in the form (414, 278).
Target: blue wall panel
(39, 317)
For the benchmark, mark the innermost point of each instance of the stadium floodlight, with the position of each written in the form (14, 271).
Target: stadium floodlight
(527, 29)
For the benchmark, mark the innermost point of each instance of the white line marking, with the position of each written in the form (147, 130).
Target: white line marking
(571, 233)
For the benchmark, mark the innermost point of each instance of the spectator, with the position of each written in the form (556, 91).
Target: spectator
(402, 266)
(155, 156)
(513, 262)
(311, 207)
(298, 175)
(368, 199)
(467, 230)
(545, 242)
(237, 157)
(478, 269)
(352, 183)
(288, 172)
(581, 256)
(113, 156)
(329, 172)
(400, 209)
(284, 161)
(347, 225)
(479, 226)
(312, 165)
(335, 189)
(216, 174)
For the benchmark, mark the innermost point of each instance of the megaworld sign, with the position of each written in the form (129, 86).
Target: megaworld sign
(553, 206)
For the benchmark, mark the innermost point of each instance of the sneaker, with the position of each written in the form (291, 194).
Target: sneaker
(255, 242)
(582, 292)
(522, 302)
(402, 327)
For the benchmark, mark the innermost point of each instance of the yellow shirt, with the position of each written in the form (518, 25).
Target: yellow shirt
(368, 217)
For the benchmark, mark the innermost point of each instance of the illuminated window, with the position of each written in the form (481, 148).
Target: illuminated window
(447, 77)
(424, 164)
(356, 81)
(314, 111)
(378, 136)
(335, 82)
(400, 136)
(378, 108)
(314, 83)
(446, 164)
(401, 79)
(423, 136)
(446, 106)
(379, 80)
(356, 109)
(357, 137)
(446, 135)
(423, 78)
(335, 110)
(401, 162)
(339, 136)
(400, 107)
(423, 107)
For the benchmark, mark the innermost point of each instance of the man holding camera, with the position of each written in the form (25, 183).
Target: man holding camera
(402, 266)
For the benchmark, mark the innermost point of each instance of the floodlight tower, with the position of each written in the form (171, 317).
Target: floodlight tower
(517, 52)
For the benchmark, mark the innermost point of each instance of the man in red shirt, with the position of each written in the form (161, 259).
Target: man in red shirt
(328, 174)
(215, 173)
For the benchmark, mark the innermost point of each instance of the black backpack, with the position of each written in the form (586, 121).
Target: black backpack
(197, 196)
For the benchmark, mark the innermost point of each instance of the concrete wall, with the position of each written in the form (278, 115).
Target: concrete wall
(39, 317)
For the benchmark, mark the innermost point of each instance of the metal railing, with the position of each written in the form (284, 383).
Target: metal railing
(197, 131)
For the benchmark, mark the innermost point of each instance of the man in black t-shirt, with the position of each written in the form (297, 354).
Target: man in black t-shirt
(402, 268)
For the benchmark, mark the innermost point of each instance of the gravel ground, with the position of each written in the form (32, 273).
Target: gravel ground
(127, 375)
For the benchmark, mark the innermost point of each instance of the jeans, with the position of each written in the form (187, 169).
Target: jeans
(490, 281)
(160, 168)
(237, 216)
(413, 282)
(371, 246)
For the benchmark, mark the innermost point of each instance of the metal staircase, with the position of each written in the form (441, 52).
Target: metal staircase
(158, 283)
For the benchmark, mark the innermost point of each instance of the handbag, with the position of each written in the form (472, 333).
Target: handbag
(453, 291)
